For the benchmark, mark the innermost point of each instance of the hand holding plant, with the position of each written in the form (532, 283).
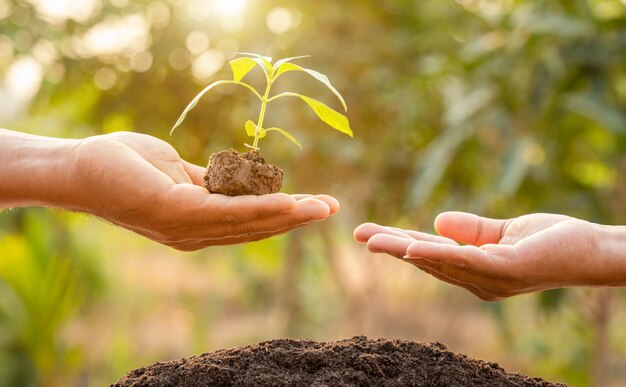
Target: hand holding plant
(140, 183)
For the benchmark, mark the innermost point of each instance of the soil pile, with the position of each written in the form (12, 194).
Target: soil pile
(358, 361)
(232, 173)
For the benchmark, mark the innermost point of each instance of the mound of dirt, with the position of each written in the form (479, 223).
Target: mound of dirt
(358, 361)
(232, 173)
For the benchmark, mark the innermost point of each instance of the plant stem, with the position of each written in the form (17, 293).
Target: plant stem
(257, 132)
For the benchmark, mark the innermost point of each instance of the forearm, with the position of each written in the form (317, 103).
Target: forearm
(34, 170)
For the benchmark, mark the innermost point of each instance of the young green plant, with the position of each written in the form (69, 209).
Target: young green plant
(243, 65)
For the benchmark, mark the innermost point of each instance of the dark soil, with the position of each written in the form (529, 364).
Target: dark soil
(358, 361)
(232, 173)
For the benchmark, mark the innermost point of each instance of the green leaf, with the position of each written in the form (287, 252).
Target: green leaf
(284, 67)
(250, 128)
(280, 62)
(264, 61)
(241, 67)
(284, 133)
(194, 101)
(265, 58)
(331, 117)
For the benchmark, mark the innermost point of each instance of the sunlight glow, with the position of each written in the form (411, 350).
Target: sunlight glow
(159, 14)
(207, 64)
(229, 8)
(58, 11)
(197, 41)
(24, 77)
(105, 78)
(280, 20)
(128, 35)
(4, 8)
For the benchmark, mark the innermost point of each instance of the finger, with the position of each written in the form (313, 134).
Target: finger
(195, 172)
(390, 244)
(367, 230)
(468, 258)
(241, 209)
(472, 265)
(306, 211)
(174, 170)
(397, 246)
(199, 243)
(469, 228)
(332, 203)
(422, 236)
(189, 204)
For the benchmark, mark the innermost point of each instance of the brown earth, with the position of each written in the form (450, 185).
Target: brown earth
(232, 173)
(358, 361)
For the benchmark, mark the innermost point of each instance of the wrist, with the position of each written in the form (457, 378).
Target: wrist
(35, 170)
(611, 254)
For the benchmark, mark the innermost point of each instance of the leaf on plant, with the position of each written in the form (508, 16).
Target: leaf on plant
(250, 128)
(241, 67)
(265, 58)
(284, 133)
(331, 117)
(264, 61)
(194, 101)
(315, 74)
(280, 62)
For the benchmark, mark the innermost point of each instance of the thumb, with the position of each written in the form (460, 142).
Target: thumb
(195, 172)
(469, 228)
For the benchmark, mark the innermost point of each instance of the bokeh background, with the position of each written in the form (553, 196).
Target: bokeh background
(501, 107)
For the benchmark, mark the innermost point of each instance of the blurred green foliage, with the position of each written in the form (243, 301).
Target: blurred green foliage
(502, 107)
(45, 277)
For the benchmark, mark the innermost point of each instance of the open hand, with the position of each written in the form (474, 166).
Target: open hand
(140, 183)
(503, 258)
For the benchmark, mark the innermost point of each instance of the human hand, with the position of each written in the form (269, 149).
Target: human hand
(504, 258)
(140, 183)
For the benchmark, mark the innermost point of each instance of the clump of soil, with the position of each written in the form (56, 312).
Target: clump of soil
(358, 361)
(232, 173)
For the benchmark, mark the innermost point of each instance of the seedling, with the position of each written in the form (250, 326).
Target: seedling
(221, 179)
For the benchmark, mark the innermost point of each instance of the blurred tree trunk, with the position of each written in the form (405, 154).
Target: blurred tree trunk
(353, 300)
(288, 295)
(601, 315)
